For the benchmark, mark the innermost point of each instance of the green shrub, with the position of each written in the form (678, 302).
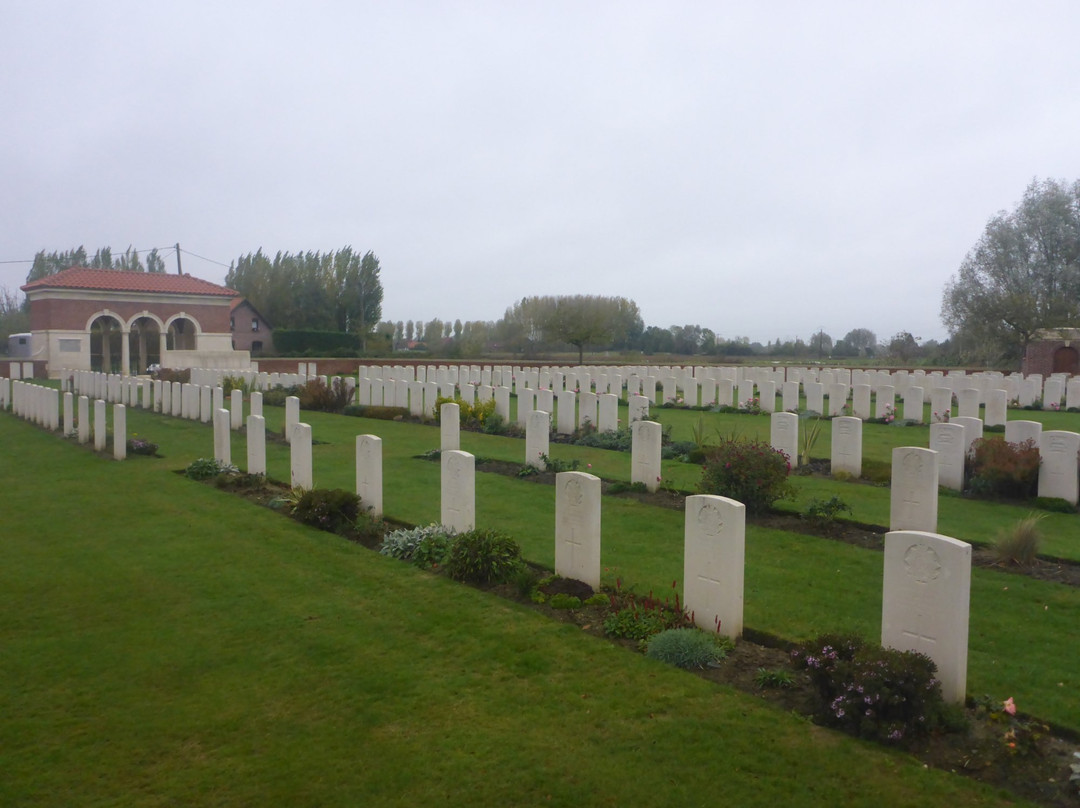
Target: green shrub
(322, 397)
(561, 600)
(483, 557)
(140, 446)
(378, 412)
(206, 467)
(230, 383)
(331, 509)
(1019, 544)
(424, 546)
(748, 471)
(872, 692)
(685, 648)
(1004, 470)
(1054, 505)
(825, 511)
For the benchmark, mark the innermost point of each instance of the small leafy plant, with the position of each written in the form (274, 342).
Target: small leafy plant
(686, 648)
(483, 557)
(423, 546)
(825, 511)
(638, 617)
(206, 467)
(140, 446)
(331, 509)
(774, 679)
(1004, 470)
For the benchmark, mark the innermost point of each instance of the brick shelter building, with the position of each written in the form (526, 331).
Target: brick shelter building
(1053, 350)
(124, 322)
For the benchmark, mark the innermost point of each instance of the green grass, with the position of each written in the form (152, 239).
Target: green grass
(168, 644)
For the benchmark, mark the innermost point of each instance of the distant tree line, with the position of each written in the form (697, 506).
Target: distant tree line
(46, 264)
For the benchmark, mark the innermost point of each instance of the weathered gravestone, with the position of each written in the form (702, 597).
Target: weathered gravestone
(222, 447)
(926, 597)
(292, 416)
(1023, 431)
(577, 527)
(714, 563)
(119, 415)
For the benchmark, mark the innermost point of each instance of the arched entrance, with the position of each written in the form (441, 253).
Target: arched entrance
(144, 345)
(1066, 360)
(181, 335)
(106, 344)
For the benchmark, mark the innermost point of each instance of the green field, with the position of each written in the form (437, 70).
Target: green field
(170, 644)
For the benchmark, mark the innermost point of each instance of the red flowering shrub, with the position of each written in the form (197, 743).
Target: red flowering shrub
(748, 471)
(1006, 470)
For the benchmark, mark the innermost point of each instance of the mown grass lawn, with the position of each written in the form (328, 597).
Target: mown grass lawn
(796, 586)
(165, 643)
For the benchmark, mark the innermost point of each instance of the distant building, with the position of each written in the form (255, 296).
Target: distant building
(19, 346)
(1053, 350)
(124, 322)
(250, 330)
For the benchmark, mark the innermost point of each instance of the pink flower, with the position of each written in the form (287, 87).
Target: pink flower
(1010, 706)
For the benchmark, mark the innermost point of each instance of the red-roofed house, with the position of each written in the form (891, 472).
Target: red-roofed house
(123, 322)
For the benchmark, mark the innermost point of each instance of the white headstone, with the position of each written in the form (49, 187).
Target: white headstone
(784, 434)
(292, 417)
(302, 473)
(449, 426)
(222, 439)
(914, 490)
(926, 596)
(847, 445)
(369, 473)
(714, 562)
(1058, 471)
(100, 428)
(566, 416)
(997, 404)
(860, 401)
(119, 415)
(577, 527)
(256, 444)
(458, 490)
(645, 451)
(815, 397)
(84, 419)
(885, 405)
(913, 404)
(940, 405)
(236, 409)
(950, 444)
(1023, 431)
(537, 430)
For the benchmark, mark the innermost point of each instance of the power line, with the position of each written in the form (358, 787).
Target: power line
(204, 258)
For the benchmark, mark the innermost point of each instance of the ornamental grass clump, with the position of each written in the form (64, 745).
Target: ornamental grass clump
(872, 692)
(748, 471)
(687, 648)
(1019, 544)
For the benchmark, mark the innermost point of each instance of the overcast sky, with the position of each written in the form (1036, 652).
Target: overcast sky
(760, 169)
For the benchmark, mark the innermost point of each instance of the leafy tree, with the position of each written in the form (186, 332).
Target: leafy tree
(821, 343)
(1023, 274)
(903, 346)
(14, 316)
(578, 320)
(332, 291)
(861, 340)
(409, 330)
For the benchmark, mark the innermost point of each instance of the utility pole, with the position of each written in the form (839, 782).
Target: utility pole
(179, 271)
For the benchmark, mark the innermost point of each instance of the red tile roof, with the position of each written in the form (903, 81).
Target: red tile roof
(113, 280)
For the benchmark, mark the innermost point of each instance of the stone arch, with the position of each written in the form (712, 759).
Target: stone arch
(1066, 360)
(144, 342)
(106, 342)
(182, 332)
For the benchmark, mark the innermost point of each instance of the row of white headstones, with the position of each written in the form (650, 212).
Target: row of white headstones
(926, 576)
